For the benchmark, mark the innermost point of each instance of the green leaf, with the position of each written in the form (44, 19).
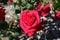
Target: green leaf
(29, 6)
(56, 4)
(16, 34)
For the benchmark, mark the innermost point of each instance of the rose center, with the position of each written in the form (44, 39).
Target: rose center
(29, 19)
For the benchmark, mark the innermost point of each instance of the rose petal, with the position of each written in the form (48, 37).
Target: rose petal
(46, 9)
(10, 1)
(2, 13)
(57, 15)
(38, 7)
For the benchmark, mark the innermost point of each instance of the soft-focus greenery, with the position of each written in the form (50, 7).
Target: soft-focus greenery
(56, 4)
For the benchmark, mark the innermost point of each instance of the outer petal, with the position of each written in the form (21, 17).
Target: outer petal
(2, 13)
(26, 30)
(46, 9)
(57, 15)
(38, 7)
(10, 1)
(44, 13)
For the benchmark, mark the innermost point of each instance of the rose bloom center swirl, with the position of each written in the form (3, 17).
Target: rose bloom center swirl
(29, 18)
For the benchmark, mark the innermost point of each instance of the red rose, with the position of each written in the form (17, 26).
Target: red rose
(57, 15)
(30, 22)
(38, 7)
(2, 13)
(10, 1)
(43, 10)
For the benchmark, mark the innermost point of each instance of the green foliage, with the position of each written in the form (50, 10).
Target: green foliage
(25, 4)
(56, 4)
(3, 1)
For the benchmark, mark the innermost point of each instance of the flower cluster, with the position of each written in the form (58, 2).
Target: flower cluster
(30, 20)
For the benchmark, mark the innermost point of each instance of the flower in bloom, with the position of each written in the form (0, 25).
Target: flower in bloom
(57, 15)
(2, 13)
(30, 22)
(44, 10)
(10, 1)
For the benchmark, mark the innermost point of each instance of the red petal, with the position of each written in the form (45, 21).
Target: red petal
(57, 15)
(38, 7)
(2, 13)
(10, 1)
(46, 9)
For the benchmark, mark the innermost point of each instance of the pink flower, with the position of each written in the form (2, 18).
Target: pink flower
(43, 10)
(2, 13)
(30, 22)
(10, 1)
(57, 15)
